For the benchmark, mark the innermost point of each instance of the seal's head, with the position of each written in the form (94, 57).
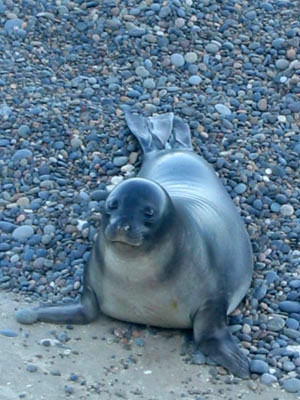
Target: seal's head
(136, 211)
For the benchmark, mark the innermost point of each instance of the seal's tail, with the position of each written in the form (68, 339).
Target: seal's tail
(160, 132)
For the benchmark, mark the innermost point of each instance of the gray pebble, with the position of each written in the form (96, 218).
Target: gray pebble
(223, 110)
(31, 368)
(240, 188)
(21, 155)
(259, 367)
(289, 306)
(8, 333)
(292, 385)
(212, 48)
(177, 60)
(191, 57)
(149, 83)
(164, 12)
(268, 379)
(276, 324)
(120, 161)
(195, 80)
(282, 64)
(22, 233)
(287, 210)
(288, 366)
(55, 372)
(142, 72)
(24, 130)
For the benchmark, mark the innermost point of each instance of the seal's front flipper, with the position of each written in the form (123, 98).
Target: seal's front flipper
(66, 314)
(77, 313)
(153, 132)
(215, 340)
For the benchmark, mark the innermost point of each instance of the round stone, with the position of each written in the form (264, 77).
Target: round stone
(149, 83)
(292, 323)
(259, 367)
(13, 24)
(276, 324)
(23, 233)
(31, 368)
(288, 366)
(223, 110)
(195, 80)
(191, 57)
(165, 12)
(142, 72)
(240, 188)
(8, 333)
(289, 306)
(21, 154)
(287, 210)
(268, 379)
(212, 48)
(180, 22)
(278, 43)
(24, 130)
(282, 64)
(292, 385)
(262, 105)
(177, 60)
(120, 161)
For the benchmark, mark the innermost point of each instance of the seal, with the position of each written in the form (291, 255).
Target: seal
(172, 250)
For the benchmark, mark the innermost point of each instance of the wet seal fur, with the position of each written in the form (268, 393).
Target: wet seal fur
(172, 250)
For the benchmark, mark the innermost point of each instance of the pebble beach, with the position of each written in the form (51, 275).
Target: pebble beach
(231, 69)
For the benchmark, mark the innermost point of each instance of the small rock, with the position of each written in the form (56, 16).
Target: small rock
(21, 154)
(191, 57)
(287, 210)
(31, 368)
(282, 64)
(289, 306)
(292, 385)
(240, 188)
(22, 233)
(268, 379)
(177, 60)
(223, 110)
(8, 333)
(262, 105)
(259, 367)
(276, 324)
(212, 48)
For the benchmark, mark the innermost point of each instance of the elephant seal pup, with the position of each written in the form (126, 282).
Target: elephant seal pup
(172, 250)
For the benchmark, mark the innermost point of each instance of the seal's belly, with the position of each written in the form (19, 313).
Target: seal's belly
(156, 306)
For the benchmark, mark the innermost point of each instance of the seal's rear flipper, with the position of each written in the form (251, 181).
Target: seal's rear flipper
(225, 352)
(215, 340)
(181, 134)
(159, 132)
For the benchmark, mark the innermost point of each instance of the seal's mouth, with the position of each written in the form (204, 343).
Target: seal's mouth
(126, 243)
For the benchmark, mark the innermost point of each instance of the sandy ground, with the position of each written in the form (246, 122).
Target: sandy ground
(98, 362)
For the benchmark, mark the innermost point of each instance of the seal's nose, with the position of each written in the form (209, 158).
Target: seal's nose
(123, 227)
(127, 228)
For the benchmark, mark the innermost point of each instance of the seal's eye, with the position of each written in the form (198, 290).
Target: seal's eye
(149, 212)
(112, 204)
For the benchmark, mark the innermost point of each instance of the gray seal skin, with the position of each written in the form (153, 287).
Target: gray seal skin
(172, 250)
